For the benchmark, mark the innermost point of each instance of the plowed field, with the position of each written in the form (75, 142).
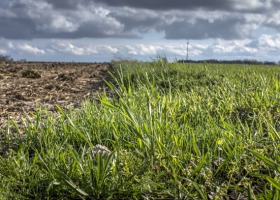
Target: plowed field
(27, 85)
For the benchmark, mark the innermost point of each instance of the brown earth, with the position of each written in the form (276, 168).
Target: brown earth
(27, 85)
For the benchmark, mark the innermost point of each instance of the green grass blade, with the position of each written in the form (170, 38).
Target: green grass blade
(200, 165)
(62, 177)
(273, 182)
(251, 195)
(200, 190)
(266, 160)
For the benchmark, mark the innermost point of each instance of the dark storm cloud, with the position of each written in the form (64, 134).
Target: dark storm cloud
(57, 19)
(275, 4)
(170, 4)
(17, 28)
(177, 19)
(141, 21)
(226, 29)
(187, 25)
(68, 4)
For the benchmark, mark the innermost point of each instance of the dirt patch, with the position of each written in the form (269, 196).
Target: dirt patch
(27, 85)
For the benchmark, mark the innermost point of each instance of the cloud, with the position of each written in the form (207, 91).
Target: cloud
(58, 23)
(68, 47)
(234, 27)
(234, 46)
(266, 47)
(203, 29)
(65, 4)
(269, 42)
(197, 24)
(167, 4)
(135, 50)
(3, 52)
(10, 45)
(47, 19)
(231, 19)
(160, 49)
(273, 20)
(30, 49)
(213, 5)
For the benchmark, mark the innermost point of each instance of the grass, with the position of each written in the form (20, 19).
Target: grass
(172, 131)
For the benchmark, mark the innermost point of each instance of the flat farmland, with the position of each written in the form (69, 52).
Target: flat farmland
(169, 131)
(27, 85)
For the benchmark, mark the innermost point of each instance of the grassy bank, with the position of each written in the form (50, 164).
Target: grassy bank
(170, 131)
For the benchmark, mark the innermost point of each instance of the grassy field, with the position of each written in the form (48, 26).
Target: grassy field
(169, 131)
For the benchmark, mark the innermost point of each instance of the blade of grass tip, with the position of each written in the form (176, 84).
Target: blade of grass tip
(67, 117)
(195, 147)
(70, 183)
(251, 195)
(199, 189)
(266, 160)
(16, 126)
(60, 147)
(276, 85)
(273, 182)
(110, 85)
(127, 113)
(274, 131)
(106, 103)
(272, 128)
(276, 194)
(74, 126)
(60, 110)
(129, 116)
(76, 160)
(42, 164)
(200, 165)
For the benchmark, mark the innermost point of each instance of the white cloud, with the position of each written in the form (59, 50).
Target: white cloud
(10, 45)
(269, 42)
(232, 19)
(109, 49)
(30, 49)
(3, 51)
(264, 48)
(59, 23)
(148, 49)
(68, 47)
(255, 18)
(51, 20)
(171, 49)
(234, 46)
(245, 5)
(131, 49)
(99, 18)
(86, 20)
(274, 19)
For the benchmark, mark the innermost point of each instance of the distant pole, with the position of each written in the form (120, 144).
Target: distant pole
(187, 57)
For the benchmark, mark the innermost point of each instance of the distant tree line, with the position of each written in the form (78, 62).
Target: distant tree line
(250, 62)
(5, 58)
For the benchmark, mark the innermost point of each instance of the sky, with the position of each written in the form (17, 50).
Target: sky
(106, 30)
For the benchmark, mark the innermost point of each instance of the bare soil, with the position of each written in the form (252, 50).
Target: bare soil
(25, 86)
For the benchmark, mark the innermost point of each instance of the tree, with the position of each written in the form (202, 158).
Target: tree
(5, 58)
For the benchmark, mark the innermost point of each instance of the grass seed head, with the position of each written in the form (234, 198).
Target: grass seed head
(104, 151)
